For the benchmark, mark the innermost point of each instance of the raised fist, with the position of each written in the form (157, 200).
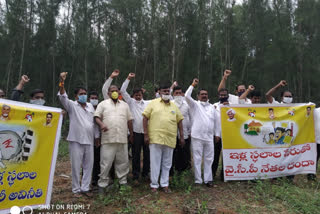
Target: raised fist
(251, 87)
(195, 82)
(131, 75)
(227, 73)
(283, 83)
(115, 73)
(175, 83)
(63, 76)
(25, 79)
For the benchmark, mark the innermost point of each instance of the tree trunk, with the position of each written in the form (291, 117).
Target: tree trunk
(23, 43)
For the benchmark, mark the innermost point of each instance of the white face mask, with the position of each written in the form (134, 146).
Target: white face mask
(178, 99)
(40, 102)
(204, 103)
(94, 102)
(287, 100)
(157, 95)
(165, 97)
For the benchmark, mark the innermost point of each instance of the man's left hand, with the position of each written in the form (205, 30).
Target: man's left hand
(131, 138)
(182, 142)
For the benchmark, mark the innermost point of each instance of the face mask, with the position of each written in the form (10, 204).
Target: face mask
(178, 99)
(157, 95)
(240, 93)
(223, 99)
(287, 99)
(114, 95)
(94, 102)
(204, 103)
(165, 97)
(82, 98)
(38, 102)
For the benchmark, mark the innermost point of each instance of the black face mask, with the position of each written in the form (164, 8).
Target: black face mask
(223, 99)
(240, 93)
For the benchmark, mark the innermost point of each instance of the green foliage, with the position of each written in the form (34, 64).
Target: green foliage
(159, 40)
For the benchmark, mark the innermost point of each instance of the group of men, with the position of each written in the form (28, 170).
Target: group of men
(168, 129)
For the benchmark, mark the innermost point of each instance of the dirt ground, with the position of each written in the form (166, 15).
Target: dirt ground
(224, 197)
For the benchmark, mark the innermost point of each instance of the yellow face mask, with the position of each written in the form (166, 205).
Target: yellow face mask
(114, 95)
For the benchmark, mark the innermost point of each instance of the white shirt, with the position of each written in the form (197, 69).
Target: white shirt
(115, 117)
(136, 107)
(233, 99)
(186, 122)
(106, 87)
(82, 128)
(316, 113)
(274, 101)
(205, 120)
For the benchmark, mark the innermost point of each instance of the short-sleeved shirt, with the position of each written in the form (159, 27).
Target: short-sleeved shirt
(163, 119)
(115, 117)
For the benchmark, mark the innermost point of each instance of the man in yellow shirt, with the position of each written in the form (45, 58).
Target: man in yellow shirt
(160, 120)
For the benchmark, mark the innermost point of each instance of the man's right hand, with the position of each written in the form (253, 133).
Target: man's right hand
(195, 82)
(146, 139)
(226, 73)
(63, 76)
(251, 88)
(24, 79)
(131, 75)
(103, 128)
(282, 83)
(115, 73)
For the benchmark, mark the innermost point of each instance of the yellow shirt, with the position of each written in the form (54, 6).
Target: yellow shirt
(115, 117)
(163, 119)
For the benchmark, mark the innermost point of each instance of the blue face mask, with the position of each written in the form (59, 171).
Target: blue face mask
(82, 98)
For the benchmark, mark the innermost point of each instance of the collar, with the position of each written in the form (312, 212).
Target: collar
(111, 101)
(169, 103)
(81, 105)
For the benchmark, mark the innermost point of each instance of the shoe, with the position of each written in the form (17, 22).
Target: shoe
(209, 184)
(166, 190)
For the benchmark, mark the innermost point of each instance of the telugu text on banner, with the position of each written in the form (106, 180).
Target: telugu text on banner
(267, 141)
(29, 138)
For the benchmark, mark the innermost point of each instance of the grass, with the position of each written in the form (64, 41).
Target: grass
(261, 196)
(63, 152)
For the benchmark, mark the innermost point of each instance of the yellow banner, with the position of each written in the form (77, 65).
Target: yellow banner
(29, 137)
(267, 126)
